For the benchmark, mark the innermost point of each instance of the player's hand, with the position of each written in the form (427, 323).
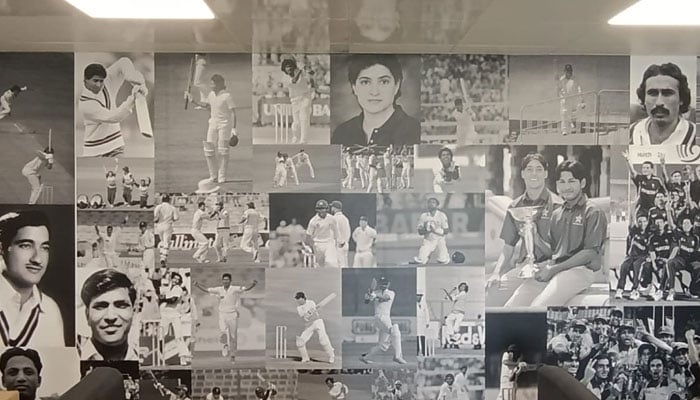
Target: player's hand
(626, 155)
(544, 274)
(188, 96)
(690, 335)
(493, 280)
(662, 158)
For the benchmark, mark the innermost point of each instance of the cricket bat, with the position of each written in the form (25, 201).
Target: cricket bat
(326, 300)
(464, 88)
(190, 77)
(143, 116)
(373, 285)
(259, 375)
(49, 138)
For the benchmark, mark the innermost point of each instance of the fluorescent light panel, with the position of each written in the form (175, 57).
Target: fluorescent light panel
(144, 9)
(660, 13)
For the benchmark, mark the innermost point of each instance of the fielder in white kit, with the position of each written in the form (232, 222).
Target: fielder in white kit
(147, 242)
(433, 226)
(223, 231)
(229, 302)
(322, 232)
(170, 314)
(308, 311)
(250, 241)
(389, 333)
(164, 215)
(364, 236)
(343, 233)
(456, 316)
(200, 255)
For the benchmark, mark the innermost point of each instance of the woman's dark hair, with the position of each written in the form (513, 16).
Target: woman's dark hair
(359, 62)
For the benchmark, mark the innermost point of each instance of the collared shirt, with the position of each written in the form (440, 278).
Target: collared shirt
(198, 220)
(111, 241)
(577, 226)
(383, 308)
(460, 303)
(661, 243)
(647, 188)
(448, 392)
(657, 213)
(438, 220)
(252, 218)
(229, 299)
(400, 129)
(343, 227)
(223, 220)
(323, 230)
(684, 134)
(688, 244)
(221, 106)
(147, 240)
(88, 352)
(637, 242)
(364, 238)
(510, 231)
(165, 213)
(36, 323)
(308, 312)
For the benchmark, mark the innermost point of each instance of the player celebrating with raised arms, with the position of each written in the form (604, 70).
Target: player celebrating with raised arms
(171, 298)
(221, 133)
(337, 390)
(97, 104)
(308, 311)
(433, 226)
(448, 390)
(389, 333)
(463, 115)
(229, 302)
(322, 233)
(446, 172)
(454, 319)
(250, 241)
(300, 87)
(364, 236)
(32, 169)
(164, 215)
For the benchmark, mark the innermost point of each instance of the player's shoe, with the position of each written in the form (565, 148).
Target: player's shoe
(224, 351)
(634, 295)
(366, 360)
(645, 290)
(399, 360)
(256, 256)
(206, 186)
(618, 294)
(658, 295)
(671, 295)
(331, 360)
(305, 360)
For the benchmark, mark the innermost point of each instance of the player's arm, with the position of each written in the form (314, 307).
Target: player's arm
(201, 287)
(251, 286)
(124, 68)
(93, 111)
(630, 167)
(174, 297)
(384, 296)
(232, 108)
(205, 105)
(692, 350)
(595, 231)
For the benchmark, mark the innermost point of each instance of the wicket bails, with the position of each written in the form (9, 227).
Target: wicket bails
(46, 196)
(283, 115)
(281, 341)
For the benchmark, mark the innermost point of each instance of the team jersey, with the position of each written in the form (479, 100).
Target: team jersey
(364, 238)
(147, 240)
(343, 227)
(252, 218)
(112, 182)
(683, 135)
(459, 302)
(465, 125)
(303, 158)
(637, 242)
(576, 226)
(165, 212)
(198, 219)
(308, 312)
(323, 229)
(300, 88)
(661, 243)
(172, 292)
(383, 308)
(111, 241)
(437, 221)
(688, 244)
(568, 86)
(229, 299)
(222, 221)
(657, 213)
(647, 188)
(677, 187)
(448, 392)
(221, 107)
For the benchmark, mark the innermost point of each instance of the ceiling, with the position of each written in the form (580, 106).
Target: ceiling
(340, 26)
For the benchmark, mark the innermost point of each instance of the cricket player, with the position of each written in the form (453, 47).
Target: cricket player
(342, 241)
(389, 333)
(364, 236)
(647, 183)
(223, 231)
(337, 390)
(291, 168)
(32, 170)
(511, 363)
(250, 241)
(164, 215)
(405, 170)
(215, 394)
(300, 86)
(98, 106)
(170, 314)
(221, 129)
(454, 319)
(462, 382)
(567, 89)
(147, 242)
(266, 394)
(7, 98)
(463, 114)
(200, 255)
(433, 226)
(308, 311)
(280, 178)
(21, 372)
(170, 395)
(229, 302)
(349, 165)
(302, 159)
(322, 234)
(446, 172)
(665, 95)
(110, 241)
(128, 184)
(448, 390)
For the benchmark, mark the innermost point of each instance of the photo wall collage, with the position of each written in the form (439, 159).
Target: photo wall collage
(365, 226)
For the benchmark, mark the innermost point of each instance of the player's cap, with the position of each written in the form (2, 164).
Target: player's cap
(300, 295)
(398, 383)
(627, 325)
(616, 313)
(513, 348)
(250, 204)
(363, 218)
(579, 322)
(666, 330)
(458, 257)
(182, 387)
(142, 224)
(322, 205)
(337, 204)
(646, 346)
(600, 318)
(679, 348)
(383, 281)
(434, 199)
(216, 390)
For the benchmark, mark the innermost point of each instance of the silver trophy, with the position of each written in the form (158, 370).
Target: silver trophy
(525, 218)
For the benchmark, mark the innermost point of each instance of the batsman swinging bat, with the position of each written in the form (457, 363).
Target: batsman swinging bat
(326, 300)
(259, 375)
(143, 116)
(190, 77)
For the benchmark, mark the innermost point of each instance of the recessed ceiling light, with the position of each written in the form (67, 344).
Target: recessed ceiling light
(144, 9)
(660, 13)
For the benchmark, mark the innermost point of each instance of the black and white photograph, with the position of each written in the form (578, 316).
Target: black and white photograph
(203, 102)
(662, 112)
(168, 384)
(291, 98)
(129, 371)
(464, 99)
(229, 316)
(450, 311)
(114, 105)
(290, 26)
(121, 240)
(371, 384)
(296, 168)
(303, 308)
(221, 383)
(426, 229)
(514, 350)
(654, 227)
(450, 169)
(36, 122)
(309, 230)
(376, 169)
(115, 184)
(569, 99)
(48, 372)
(36, 284)
(227, 229)
(375, 100)
(548, 209)
(379, 317)
(460, 377)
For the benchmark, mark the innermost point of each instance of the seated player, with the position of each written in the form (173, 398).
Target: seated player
(660, 243)
(637, 252)
(684, 255)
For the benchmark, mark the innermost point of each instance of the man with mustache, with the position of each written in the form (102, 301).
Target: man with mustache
(665, 96)
(29, 317)
(109, 298)
(21, 371)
